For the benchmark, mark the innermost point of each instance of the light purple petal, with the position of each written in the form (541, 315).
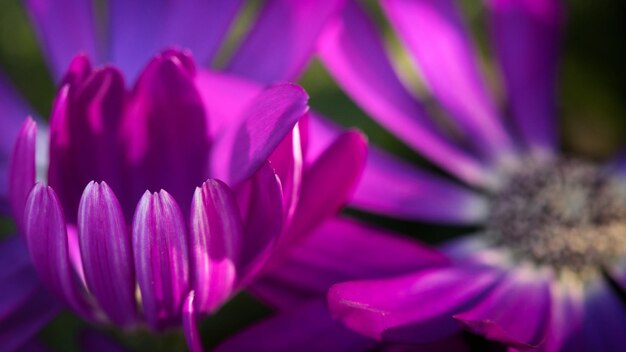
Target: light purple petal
(527, 35)
(604, 319)
(414, 308)
(22, 171)
(190, 327)
(164, 121)
(394, 188)
(306, 328)
(341, 250)
(64, 33)
(46, 236)
(498, 316)
(439, 42)
(261, 205)
(107, 254)
(161, 258)
(353, 52)
(292, 28)
(268, 120)
(326, 187)
(216, 236)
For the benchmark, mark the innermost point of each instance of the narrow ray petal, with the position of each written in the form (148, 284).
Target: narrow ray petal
(357, 252)
(46, 236)
(523, 293)
(22, 171)
(190, 327)
(271, 116)
(395, 188)
(160, 249)
(64, 33)
(354, 53)
(414, 308)
(106, 253)
(527, 35)
(294, 26)
(604, 319)
(437, 38)
(216, 234)
(306, 328)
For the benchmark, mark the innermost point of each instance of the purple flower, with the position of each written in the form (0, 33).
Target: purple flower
(546, 266)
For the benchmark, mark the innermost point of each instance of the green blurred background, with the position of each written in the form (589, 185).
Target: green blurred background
(592, 111)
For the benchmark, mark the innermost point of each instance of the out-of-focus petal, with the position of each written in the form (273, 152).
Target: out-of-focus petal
(306, 328)
(527, 35)
(216, 236)
(64, 33)
(17, 276)
(189, 324)
(516, 312)
(268, 120)
(326, 187)
(46, 236)
(261, 203)
(565, 319)
(165, 130)
(341, 250)
(22, 171)
(604, 319)
(414, 308)
(438, 40)
(94, 341)
(85, 133)
(354, 54)
(107, 254)
(395, 188)
(160, 249)
(293, 28)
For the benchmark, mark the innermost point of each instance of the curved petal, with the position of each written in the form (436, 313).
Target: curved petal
(354, 54)
(22, 171)
(46, 236)
(161, 258)
(526, 34)
(106, 253)
(341, 250)
(164, 121)
(306, 328)
(435, 34)
(566, 318)
(395, 188)
(271, 116)
(216, 235)
(414, 308)
(189, 324)
(64, 33)
(498, 316)
(287, 160)
(293, 28)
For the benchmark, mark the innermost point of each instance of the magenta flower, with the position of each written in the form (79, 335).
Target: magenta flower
(546, 266)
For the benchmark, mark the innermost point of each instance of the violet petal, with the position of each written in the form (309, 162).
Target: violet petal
(22, 171)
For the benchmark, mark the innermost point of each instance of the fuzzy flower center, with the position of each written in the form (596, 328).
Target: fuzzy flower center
(565, 213)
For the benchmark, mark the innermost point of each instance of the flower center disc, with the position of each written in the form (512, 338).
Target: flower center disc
(566, 214)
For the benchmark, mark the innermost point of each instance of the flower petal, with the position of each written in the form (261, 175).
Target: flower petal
(269, 119)
(357, 252)
(64, 33)
(294, 27)
(414, 308)
(354, 54)
(604, 319)
(17, 276)
(107, 254)
(166, 120)
(435, 34)
(395, 188)
(527, 35)
(216, 236)
(522, 293)
(189, 324)
(306, 328)
(22, 171)
(46, 236)
(161, 258)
